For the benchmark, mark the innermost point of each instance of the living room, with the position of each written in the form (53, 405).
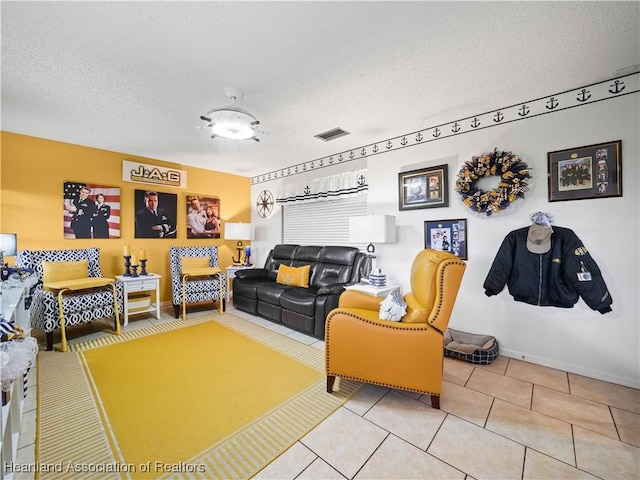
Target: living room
(571, 340)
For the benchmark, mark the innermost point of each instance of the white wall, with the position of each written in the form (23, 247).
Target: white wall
(578, 340)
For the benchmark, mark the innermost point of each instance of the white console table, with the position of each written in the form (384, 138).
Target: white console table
(141, 283)
(12, 308)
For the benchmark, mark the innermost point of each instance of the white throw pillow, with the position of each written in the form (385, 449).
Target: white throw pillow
(393, 307)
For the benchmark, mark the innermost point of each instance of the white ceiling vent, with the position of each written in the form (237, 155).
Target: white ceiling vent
(332, 134)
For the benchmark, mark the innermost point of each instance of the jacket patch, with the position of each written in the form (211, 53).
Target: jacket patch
(556, 260)
(580, 251)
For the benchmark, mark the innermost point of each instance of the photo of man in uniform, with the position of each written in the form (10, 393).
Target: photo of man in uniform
(152, 221)
(82, 209)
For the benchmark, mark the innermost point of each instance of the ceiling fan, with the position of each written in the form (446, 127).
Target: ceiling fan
(232, 122)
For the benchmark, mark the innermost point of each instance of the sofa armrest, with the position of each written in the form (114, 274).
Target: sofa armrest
(332, 289)
(249, 273)
(355, 299)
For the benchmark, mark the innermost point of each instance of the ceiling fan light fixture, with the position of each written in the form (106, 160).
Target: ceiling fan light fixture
(232, 122)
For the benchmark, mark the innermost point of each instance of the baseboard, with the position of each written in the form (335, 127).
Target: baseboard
(572, 368)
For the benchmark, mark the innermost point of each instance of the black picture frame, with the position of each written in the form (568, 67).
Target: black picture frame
(447, 235)
(423, 188)
(592, 171)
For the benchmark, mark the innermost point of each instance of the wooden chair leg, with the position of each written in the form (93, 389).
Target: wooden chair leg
(330, 381)
(176, 310)
(49, 341)
(435, 401)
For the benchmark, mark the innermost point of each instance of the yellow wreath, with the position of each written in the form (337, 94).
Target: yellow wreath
(514, 179)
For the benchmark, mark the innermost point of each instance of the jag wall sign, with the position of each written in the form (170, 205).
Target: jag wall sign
(153, 175)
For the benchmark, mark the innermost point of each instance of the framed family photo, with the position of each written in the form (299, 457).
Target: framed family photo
(593, 171)
(423, 188)
(447, 236)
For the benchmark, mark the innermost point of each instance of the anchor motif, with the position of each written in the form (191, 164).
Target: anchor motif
(269, 177)
(351, 155)
(331, 160)
(307, 190)
(584, 95)
(363, 152)
(524, 111)
(455, 128)
(312, 165)
(475, 123)
(321, 163)
(375, 149)
(498, 117)
(552, 103)
(436, 132)
(289, 171)
(296, 169)
(340, 158)
(404, 142)
(389, 145)
(419, 137)
(616, 85)
(361, 180)
(304, 167)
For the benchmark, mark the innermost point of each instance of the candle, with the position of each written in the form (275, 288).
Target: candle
(134, 260)
(143, 254)
(127, 251)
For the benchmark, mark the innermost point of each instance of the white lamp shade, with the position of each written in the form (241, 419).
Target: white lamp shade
(237, 231)
(372, 229)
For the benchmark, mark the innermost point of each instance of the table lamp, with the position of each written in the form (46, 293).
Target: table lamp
(239, 232)
(373, 228)
(9, 248)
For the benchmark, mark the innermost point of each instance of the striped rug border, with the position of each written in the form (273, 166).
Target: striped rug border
(74, 427)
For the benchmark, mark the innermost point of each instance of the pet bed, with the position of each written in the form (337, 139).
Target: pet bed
(471, 347)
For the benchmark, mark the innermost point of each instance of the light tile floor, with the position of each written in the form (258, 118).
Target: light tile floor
(507, 420)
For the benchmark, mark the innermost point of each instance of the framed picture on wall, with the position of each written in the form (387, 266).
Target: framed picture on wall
(447, 236)
(594, 171)
(203, 216)
(155, 214)
(91, 210)
(423, 188)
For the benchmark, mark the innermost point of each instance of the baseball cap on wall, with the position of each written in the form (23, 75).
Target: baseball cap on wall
(539, 238)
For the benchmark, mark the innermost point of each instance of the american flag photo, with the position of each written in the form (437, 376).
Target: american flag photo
(91, 211)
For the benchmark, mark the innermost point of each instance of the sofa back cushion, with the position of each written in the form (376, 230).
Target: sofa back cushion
(281, 254)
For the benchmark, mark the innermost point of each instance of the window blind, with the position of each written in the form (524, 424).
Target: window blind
(322, 223)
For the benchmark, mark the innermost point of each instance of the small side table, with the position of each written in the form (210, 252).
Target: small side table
(231, 273)
(141, 283)
(368, 289)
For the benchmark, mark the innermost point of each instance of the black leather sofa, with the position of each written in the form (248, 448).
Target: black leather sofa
(255, 290)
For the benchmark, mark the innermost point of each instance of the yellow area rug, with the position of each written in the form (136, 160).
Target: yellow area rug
(187, 399)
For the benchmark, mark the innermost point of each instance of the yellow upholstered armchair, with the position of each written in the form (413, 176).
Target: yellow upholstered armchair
(408, 354)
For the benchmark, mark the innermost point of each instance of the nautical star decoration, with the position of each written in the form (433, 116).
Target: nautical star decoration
(514, 179)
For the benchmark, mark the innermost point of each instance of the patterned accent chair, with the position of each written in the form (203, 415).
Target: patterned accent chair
(83, 306)
(408, 354)
(198, 289)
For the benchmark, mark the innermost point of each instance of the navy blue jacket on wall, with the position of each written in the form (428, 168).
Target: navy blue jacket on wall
(556, 278)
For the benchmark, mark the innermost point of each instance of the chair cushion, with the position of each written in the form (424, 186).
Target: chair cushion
(416, 313)
(194, 262)
(293, 276)
(60, 271)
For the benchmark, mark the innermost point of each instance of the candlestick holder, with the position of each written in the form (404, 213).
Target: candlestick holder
(143, 267)
(127, 264)
(134, 270)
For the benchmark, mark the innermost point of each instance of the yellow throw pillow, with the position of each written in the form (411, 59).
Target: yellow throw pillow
(60, 271)
(194, 262)
(294, 276)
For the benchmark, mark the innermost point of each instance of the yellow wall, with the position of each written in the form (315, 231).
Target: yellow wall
(32, 174)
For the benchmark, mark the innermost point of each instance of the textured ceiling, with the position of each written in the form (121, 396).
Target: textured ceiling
(135, 77)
